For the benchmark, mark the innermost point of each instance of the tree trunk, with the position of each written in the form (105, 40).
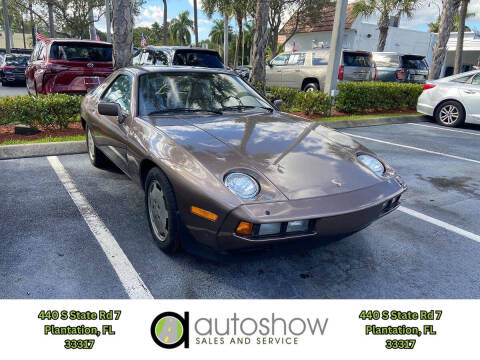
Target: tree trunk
(225, 38)
(51, 22)
(34, 37)
(91, 25)
(260, 40)
(273, 42)
(6, 26)
(238, 15)
(165, 23)
(461, 33)
(447, 20)
(383, 24)
(23, 32)
(195, 21)
(107, 20)
(122, 32)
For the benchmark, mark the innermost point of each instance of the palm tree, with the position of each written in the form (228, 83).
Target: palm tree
(434, 27)
(260, 40)
(447, 20)
(217, 33)
(461, 33)
(195, 21)
(387, 9)
(181, 26)
(123, 33)
(165, 23)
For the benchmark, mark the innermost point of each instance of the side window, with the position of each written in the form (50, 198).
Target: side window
(280, 60)
(297, 59)
(120, 92)
(42, 52)
(137, 57)
(319, 59)
(476, 80)
(462, 79)
(150, 58)
(33, 57)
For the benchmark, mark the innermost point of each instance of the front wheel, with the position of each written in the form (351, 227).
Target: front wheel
(161, 209)
(95, 155)
(311, 87)
(450, 113)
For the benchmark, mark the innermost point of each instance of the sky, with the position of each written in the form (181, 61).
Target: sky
(153, 11)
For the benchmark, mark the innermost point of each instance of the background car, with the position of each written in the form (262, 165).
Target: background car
(306, 70)
(453, 100)
(243, 71)
(215, 158)
(178, 55)
(68, 66)
(12, 69)
(398, 67)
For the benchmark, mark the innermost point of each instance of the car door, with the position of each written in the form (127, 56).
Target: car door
(33, 67)
(111, 136)
(274, 70)
(470, 93)
(291, 74)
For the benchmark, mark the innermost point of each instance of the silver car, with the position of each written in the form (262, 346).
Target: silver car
(398, 67)
(306, 70)
(453, 100)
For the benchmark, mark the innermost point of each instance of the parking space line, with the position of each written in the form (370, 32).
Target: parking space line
(446, 129)
(414, 148)
(130, 279)
(440, 223)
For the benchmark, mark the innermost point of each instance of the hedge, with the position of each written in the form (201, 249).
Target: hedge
(315, 102)
(55, 110)
(358, 97)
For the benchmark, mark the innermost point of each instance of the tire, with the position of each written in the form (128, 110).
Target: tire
(161, 208)
(450, 113)
(97, 158)
(311, 87)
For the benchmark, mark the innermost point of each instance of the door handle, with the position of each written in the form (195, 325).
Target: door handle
(469, 91)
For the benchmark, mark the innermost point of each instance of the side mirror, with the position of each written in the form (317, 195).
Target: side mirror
(269, 64)
(278, 104)
(111, 109)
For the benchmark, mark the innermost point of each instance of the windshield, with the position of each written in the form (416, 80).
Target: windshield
(356, 59)
(386, 60)
(81, 52)
(197, 58)
(16, 60)
(415, 63)
(168, 92)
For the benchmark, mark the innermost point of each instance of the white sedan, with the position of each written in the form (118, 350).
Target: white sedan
(453, 100)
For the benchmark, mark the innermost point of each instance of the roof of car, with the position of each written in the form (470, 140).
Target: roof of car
(49, 40)
(178, 48)
(394, 53)
(142, 69)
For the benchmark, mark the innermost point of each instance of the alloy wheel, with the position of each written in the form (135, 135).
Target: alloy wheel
(91, 145)
(449, 114)
(158, 211)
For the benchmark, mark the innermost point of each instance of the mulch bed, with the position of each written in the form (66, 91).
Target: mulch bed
(337, 113)
(73, 129)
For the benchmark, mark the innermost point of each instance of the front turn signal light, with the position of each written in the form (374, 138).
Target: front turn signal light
(244, 228)
(203, 213)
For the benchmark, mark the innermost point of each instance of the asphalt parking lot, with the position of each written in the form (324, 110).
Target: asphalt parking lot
(427, 249)
(13, 90)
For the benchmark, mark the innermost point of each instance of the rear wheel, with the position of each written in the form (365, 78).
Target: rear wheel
(450, 113)
(161, 209)
(97, 158)
(311, 87)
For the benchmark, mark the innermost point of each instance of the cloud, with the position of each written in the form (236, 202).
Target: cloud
(149, 15)
(199, 4)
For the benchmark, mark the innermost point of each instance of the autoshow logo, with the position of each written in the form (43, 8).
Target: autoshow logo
(169, 330)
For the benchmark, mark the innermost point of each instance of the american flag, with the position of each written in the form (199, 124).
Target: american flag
(39, 36)
(144, 41)
(294, 47)
(97, 37)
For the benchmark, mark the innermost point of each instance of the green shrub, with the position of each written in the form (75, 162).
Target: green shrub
(358, 97)
(315, 102)
(287, 95)
(54, 110)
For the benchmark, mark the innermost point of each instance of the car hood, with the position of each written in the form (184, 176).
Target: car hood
(300, 158)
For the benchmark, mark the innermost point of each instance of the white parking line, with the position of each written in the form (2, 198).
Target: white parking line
(130, 279)
(446, 129)
(415, 148)
(440, 223)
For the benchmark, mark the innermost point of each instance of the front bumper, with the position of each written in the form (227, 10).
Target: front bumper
(330, 216)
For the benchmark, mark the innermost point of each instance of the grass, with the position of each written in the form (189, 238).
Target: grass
(47, 139)
(360, 117)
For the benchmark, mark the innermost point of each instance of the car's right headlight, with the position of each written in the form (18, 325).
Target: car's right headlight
(372, 163)
(242, 185)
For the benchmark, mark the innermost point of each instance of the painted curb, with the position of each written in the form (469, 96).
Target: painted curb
(375, 121)
(42, 149)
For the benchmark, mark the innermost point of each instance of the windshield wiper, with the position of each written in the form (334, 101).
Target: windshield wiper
(178, 110)
(243, 107)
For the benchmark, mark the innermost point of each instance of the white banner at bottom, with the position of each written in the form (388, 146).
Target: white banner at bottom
(216, 329)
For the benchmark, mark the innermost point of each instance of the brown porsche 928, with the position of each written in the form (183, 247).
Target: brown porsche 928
(215, 156)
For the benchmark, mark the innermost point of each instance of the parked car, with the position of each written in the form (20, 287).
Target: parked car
(306, 70)
(453, 100)
(398, 67)
(178, 55)
(68, 66)
(12, 69)
(214, 157)
(243, 71)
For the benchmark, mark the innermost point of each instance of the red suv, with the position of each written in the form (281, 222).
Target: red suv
(68, 66)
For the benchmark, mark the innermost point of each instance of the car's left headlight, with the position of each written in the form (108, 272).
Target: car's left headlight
(242, 185)
(372, 163)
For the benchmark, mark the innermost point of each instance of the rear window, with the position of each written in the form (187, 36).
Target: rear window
(417, 63)
(356, 59)
(16, 60)
(384, 60)
(81, 52)
(197, 58)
